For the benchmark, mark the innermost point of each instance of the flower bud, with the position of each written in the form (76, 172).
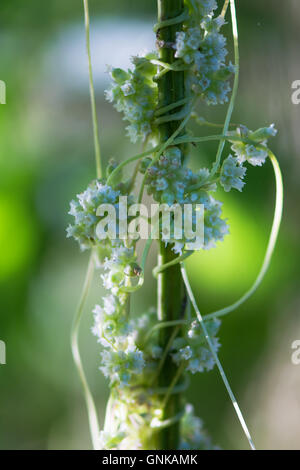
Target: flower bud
(119, 75)
(263, 133)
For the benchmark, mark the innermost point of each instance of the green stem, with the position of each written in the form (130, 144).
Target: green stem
(226, 3)
(171, 89)
(92, 91)
(270, 247)
(91, 409)
(174, 382)
(159, 269)
(215, 356)
(235, 84)
(167, 348)
(90, 404)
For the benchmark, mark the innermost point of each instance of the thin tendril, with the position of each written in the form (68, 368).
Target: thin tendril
(173, 383)
(130, 160)
(92, 91)
(172, 21)
(165, 324)
(235, 86)
(91, 409)
(170, 107)
(190, 139)
(176, 66)
(167, 422)
(161, 148)
(174, 117)
(136, 169)
(159, 269)
(145, 253)
(90, 404)
(165, 353)
(224, 9)
(203, 122)
(218, 363)
(270, 247)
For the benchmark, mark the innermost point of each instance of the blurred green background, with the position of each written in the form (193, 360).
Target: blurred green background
(46, 157)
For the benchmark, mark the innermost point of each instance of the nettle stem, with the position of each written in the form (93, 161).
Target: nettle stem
(170, 286)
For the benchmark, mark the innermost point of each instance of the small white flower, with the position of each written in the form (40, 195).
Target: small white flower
(232, 174)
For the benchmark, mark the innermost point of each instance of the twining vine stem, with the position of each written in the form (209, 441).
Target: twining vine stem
(235, 83)
(212, 349)
(171, 90)
(91, 408)
(270, 247)
(92, 92)
(172, 276)
(90, 404)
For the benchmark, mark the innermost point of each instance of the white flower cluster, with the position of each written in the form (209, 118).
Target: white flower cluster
(193, 436)
(131, 352)
(128, 421)
(232, 174)
(215, 228)
(84, 209)
(122, 361)
(169, 181)
(251, 146)
(135, 95)
(201, 46)
(248, 147)
(120, 266)
(109, 321)
(193, 349)
(135, 415)
(200, 8)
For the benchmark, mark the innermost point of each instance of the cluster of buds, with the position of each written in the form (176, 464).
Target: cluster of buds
(131, 351)
(135, 95)
(250, 146)
(202, 48)
(170, 182)
(192, 350)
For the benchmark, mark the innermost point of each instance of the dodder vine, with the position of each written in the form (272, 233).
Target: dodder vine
(147, 357)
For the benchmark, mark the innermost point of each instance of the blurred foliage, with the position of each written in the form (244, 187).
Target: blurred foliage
(46, 156)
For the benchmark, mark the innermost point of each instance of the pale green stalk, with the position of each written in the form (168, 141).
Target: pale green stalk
(235, 86)
(167, 348)
(165, 324)
(160, 268)
(90, 404)
(215, 356)
(177, 376)
(271, 243)
(224, 10)
(92, 91)
(91, 409)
